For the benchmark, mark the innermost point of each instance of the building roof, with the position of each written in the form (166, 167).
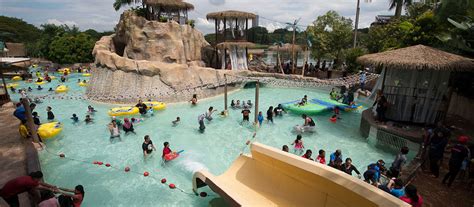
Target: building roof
(15, 49)
(231, 14)
(418, 57)
(238, 44)
(170, 4)
(286, 48)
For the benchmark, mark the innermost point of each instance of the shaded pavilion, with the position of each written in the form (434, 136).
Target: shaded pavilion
(417, 81)
(231, 32)
(176, 10)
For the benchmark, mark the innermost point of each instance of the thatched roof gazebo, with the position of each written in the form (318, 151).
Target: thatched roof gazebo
(169, 9)
(416, 81)
(231, 28)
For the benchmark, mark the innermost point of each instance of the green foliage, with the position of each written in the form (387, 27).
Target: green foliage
(17, 30)
(258, 35)
(351, 56)
(191, 22)
(70, 48)
(331, 35)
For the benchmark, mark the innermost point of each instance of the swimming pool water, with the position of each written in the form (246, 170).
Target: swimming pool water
(213, 150)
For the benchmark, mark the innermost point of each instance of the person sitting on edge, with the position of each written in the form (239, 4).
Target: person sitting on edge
(88, 119)
(74, 118)
(29, 183)
(245, 114)
(24, 133)
(321, 157)
(194, 100)
(141, 107)
(412, 197)
(68, 199)
(260, 118)
(335, 155)
(176, 122)
(308, 154)
(394, 187)
(147, 146)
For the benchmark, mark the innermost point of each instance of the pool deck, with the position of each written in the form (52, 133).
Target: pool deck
(13, 161)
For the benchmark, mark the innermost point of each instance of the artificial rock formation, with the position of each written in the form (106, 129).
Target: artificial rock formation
(151, 60)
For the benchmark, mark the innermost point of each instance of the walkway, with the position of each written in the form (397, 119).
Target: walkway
(12, 151)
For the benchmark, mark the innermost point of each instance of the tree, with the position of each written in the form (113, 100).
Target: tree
(331, 34)
(16, 30)
(398, 5)
(258, 35)
(118, 4)
(69, 48)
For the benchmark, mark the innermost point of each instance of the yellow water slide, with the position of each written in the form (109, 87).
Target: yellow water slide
(271, 177)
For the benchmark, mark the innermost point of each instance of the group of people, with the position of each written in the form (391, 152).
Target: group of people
(373, 175)
(44, 194)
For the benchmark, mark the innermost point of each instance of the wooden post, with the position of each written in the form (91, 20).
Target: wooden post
(246, 29)
(383, 80)
(225, 93)
(4, 84)
(29, 119)
(215, 44)
(225, 58)
(257, 87)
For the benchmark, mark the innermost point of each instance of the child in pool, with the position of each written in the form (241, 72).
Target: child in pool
(166, 149)
(90, 109)
(136, 121)
(50, 89)
(74, 118)
(298, 145)
(176, 122)
(88, 119)
(50, 113)
(260, 118)
(237, 105)
(333, 118)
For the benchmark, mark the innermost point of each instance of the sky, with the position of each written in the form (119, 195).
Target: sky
(101, 16)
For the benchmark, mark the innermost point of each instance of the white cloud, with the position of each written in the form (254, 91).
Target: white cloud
(58, 22)
(204, 25)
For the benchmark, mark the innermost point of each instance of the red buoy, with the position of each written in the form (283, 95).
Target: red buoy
(163, 180)
(95, 162)
(172, 186)
(61, 155)
(146, 174)
(127, 169)
(203, 194)
(100, 163)
(107, 165)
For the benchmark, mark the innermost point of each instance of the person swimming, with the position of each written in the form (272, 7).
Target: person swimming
(74, 118)
(249, 103)
(90, 109)
(88, 119)
(176, 122)
(232, 103)
(50, 89)
(78, 80)
(237, 104)
(30, 89)
(278, 111)
(39, 88)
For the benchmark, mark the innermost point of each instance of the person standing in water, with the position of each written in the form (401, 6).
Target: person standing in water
(147, 146)
(114, 130)
(202, 127)
(245, 114)
(209, 113)
(260, 118)
(298, 143)
(68, 199)
(270, 114)
(50, 113)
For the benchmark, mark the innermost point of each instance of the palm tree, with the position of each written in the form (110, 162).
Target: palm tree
(120, 3)
(398, 5)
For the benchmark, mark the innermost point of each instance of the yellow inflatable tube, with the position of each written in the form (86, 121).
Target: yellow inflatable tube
(123, 111)
(40, 83)
(61, 89)
(62, 70)
(14, 85)
(49, 130)
(86, 74)
(16, 78)
(83, 84)
(155, 105)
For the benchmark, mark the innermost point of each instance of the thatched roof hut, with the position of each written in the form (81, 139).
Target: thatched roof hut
(230, 14)
(15, 49)
(227, 45)
(418, 57)
(176, 5)
(286, 48)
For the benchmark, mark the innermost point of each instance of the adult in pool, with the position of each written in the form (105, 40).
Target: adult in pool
(245, 114)
(166, 149)
(285, 148)
(39, 88)
(68, 199)
(127, 126)
(347, 167)
(141, 107)
(74, 118)
(88, 119)
(147, 146)
(176, 122)
(50, 113)
(114, 130)
(50, 89)
(278, 111)
(270, 114)
(232, 104)
(209, 113)
(202, 127)
(308, 154)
